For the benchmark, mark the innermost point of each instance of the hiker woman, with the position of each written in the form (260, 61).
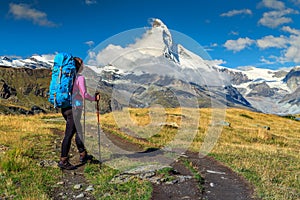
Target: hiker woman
(72, 117)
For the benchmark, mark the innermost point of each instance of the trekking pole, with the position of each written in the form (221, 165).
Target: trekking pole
(98, 120)
(83, 137)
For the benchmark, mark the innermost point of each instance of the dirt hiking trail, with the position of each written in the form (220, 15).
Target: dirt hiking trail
(220, 182)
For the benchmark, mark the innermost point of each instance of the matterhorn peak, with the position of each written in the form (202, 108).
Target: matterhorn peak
(155, 44)
(157, 23)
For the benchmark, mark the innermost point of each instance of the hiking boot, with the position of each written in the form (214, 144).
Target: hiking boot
(65, 164)
(84, 157)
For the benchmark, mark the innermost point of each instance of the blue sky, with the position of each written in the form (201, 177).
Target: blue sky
(260, 33)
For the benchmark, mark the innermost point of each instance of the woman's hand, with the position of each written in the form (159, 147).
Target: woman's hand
(97, 96)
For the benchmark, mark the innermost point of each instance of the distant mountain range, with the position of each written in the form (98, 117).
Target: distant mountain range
(34, 62)
(155, 69)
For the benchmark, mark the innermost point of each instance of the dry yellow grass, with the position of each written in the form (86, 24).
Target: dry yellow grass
(264, 148)
(14, 127)
(270, 159)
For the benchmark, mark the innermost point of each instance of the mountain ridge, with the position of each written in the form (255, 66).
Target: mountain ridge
(156, 61)
(241, 80)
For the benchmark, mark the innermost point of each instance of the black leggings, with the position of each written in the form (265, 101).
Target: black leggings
(73, 126)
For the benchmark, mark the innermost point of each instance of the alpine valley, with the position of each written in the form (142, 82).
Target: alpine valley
(158, 67)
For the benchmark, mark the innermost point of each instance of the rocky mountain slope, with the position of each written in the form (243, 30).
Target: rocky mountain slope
(270, 91)
(24, 90)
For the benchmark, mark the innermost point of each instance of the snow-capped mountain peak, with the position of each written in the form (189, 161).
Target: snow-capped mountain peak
(35, 61)
(153, 43)
(188, 59)
(156, 41)
(156, 52)
(259, 75)
(166, 34)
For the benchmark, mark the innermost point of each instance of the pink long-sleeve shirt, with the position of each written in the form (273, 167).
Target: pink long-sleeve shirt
(79, 90)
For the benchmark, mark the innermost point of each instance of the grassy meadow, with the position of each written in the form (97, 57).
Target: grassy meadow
(24, 142)
(261, 147)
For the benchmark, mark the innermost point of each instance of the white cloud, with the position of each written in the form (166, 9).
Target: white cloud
(291, 30)
(293, 51)
(92, 57)
(266, 61)
(276, 18)
(239, 44)
(271, 41)
(273, 4)
(210, 47)
(234, 33)
(90, 43)
(23, 11)
(273, 59)
(237, 12)
(90, 2)
(246, 67)
(216, 62)
(290, 46)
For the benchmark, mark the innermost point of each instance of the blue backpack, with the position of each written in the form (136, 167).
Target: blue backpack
(61, 84)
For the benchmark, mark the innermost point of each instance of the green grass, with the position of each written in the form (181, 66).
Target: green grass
(195, 173)
(166, 174)
(135, 189)
(27, 144)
